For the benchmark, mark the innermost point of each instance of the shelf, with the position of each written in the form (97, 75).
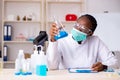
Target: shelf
(26, 42)
(65, 1)
(9, 62)
(22, 0)
(42, 11)
(22, 21)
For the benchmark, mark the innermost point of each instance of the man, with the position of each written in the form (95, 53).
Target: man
(80, 48)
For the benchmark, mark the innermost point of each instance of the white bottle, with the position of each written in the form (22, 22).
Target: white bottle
(41, 67)
(43, 58)
(18, 62)
(34, 60)
(17, 66)
(24, 66)
(28, 66)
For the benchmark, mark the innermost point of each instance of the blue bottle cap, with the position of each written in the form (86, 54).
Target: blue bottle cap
(24, 73)
(29, 73)
(17, 73)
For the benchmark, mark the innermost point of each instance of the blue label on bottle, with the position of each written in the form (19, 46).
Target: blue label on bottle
(41, 70)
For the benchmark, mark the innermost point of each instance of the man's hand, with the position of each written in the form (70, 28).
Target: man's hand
(98, 66)
(53, 31)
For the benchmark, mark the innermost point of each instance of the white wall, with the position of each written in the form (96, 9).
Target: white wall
(108, 23)
(99, 6)
(108, 29)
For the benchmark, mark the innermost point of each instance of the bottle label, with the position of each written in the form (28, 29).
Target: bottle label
(41, 70)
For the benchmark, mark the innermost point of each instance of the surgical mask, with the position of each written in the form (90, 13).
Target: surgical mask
(78, 35)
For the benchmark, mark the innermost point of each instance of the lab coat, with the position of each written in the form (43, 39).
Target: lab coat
(67, 53)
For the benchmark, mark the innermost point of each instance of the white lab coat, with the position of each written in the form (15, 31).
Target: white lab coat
(70, 54)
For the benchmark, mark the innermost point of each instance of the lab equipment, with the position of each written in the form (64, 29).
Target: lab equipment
(34, 59)
(81, 70)
(61, 31)
(41, 66)
(22, 66)
(18, 63)
(41, 38)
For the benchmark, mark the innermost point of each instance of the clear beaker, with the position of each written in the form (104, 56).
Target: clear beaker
(61, 31)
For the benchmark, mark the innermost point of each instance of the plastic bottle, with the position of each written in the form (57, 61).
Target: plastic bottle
(17, 67)
(41, 67)
(62, 33)
(18, 63)
(34, 59)
(28, 66)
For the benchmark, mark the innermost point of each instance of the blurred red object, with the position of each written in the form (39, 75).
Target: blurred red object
(71, 17)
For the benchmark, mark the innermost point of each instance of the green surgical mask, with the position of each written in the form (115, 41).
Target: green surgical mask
(78, 35)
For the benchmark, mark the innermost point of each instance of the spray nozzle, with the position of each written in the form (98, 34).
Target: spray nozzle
(40, 47)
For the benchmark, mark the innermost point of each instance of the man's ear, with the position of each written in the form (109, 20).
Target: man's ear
(91, 34)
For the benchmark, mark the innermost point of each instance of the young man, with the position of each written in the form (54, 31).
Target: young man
(80, 48)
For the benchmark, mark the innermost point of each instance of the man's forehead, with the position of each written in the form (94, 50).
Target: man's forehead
(84, 21)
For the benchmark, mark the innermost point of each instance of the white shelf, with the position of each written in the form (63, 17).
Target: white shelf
(22, 21)
(60, 9)
(22, 0)
(65, 1)
(9, 62)
(43, 11)
(25, 9)
(26, 42)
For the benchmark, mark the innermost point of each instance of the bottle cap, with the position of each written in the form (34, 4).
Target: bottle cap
(21, 54)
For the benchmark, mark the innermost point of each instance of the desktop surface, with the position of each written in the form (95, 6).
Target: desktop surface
(8, 74)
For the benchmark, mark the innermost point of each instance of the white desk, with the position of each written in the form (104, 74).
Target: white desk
(8, 74)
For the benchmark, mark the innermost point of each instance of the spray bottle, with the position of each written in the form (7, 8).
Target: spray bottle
(41, 67)
(61, 31)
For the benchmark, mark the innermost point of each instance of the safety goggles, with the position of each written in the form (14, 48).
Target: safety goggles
(83, 28)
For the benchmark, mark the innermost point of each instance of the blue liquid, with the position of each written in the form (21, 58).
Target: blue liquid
(41, 70)
(62, 34)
